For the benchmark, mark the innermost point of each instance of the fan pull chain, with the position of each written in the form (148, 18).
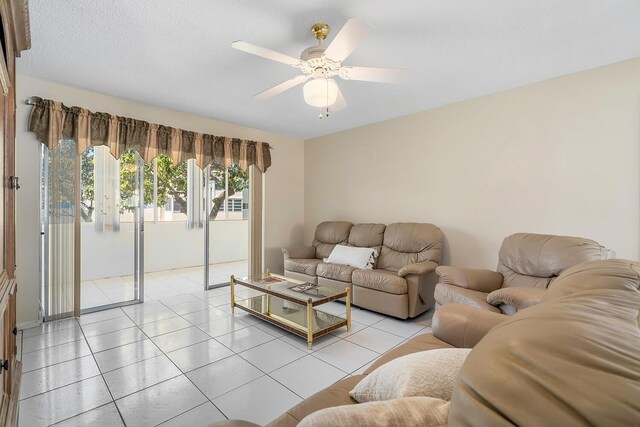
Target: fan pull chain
(327, 108)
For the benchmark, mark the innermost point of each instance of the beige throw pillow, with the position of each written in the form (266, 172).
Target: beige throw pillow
(430, 373)
(410, 411)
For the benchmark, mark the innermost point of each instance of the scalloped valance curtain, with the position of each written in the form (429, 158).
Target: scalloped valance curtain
(52, 121)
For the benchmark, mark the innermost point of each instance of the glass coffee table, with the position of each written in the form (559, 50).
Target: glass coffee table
(291, 304)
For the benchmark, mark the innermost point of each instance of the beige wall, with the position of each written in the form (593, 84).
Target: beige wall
(283, 197)
(560, 157)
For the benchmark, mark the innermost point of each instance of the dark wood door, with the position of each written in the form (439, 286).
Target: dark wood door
(14, 38)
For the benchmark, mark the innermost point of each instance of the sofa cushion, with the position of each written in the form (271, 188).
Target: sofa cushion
(430, 373)
(335, 271)
(451, 294)
(367, 236)
(304, 266)
(409, 243)
(418, 343)
(380, 280)
(409, 411)
(335, 395)
(328, 234)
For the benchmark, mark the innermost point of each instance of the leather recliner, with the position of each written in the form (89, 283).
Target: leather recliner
(528, 263)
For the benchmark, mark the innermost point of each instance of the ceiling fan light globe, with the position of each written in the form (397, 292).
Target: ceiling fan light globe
(320, 92)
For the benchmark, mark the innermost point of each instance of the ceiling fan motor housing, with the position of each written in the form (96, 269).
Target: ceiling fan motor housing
(312, 52)
(313, 62)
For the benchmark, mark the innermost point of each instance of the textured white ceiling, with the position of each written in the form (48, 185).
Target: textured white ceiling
(176, 54)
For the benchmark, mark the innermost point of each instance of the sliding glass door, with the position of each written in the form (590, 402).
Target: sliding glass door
(92, 230)
(174, 228)
(227, 221)
(58, 216)
(110, 239)
(117, 231)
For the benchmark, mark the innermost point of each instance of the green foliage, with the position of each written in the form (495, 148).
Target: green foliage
(87, 188)
(86, 172)
(62, 164)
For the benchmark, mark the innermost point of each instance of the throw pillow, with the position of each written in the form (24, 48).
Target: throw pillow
(410, 411)
(373, 259)
(430, 373)
(362, 258)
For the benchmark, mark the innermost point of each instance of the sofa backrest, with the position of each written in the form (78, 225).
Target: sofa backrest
(574, 358)
(328, 235)
(535, 260)
(367, 236)
(406, 243)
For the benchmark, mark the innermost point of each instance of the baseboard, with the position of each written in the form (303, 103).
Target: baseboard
(27, 325)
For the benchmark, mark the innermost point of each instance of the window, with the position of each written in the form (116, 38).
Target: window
(235, 205)
(171, 192)
(229, 193)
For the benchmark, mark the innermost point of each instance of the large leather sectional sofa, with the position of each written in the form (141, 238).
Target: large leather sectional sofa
(403, 280)
(572, 360)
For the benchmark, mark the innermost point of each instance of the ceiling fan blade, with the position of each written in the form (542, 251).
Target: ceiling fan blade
(265, 53)
(339, 104)
(281, 87)
(372, 74)
(354, 32)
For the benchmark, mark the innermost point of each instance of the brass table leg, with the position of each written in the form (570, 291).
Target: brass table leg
(232, 284)
(309, 323)
(348, 309)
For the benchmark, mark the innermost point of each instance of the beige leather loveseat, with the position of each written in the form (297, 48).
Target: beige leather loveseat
(403, 279)
(572, 360)
(527, 264)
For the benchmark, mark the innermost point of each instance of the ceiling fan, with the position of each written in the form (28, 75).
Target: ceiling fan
(320, 64)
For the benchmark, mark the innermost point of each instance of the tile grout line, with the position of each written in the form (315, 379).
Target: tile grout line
(63, 386)
(103, 378)
(214, 338)
(46, 348)
(182, 374)
(150, 338)
(189, 410)
(78, 381)
(234, 353)
(49, 332)
(77, 415)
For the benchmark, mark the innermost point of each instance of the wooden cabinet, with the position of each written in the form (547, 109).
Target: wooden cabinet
(11, 368)
(14, 38)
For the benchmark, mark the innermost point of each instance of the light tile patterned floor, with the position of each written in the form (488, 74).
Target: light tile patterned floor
(159, 284)
(183, 359)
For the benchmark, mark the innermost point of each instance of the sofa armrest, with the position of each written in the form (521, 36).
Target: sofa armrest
(519, 297)
(419, 268)
(299, 252)
(464, 326)
(475, 279)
